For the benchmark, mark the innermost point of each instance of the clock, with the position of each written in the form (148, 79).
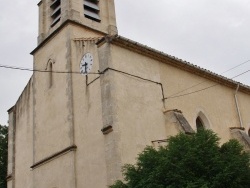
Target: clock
(86, 63)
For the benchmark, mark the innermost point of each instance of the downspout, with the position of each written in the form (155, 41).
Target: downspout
(237, 105)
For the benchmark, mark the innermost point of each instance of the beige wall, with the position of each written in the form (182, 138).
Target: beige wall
(68, 113)
(52, 105)
(56, 173)
(23, 145)
(140, 109)
(90, 158)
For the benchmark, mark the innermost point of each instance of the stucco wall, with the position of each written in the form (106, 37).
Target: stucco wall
(52, 105)
(140, 108)
(23, 138)
(56, 173)
(53, 113)
(90, 158)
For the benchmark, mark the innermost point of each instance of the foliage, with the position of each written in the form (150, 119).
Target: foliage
(3, 155)
(190, 161)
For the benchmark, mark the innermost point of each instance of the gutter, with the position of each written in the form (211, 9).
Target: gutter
(237, 105)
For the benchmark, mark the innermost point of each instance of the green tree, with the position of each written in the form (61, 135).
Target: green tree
(190, 161)
(3, 155)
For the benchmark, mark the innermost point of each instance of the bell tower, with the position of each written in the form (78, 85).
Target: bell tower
(66, 109)
(98, 15)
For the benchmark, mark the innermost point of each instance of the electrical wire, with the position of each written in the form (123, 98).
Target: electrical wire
(236, 66)
(132, 75)
(206, 80)
(99, 73)
(171, 97)
(72, 72)
(122, 72)
(45, 71)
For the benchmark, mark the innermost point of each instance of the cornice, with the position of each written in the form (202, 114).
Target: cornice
(57, 30)
(39, 3)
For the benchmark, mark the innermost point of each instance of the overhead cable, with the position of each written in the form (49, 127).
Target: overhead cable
(181, 91)
(38, 70)
(171, 97)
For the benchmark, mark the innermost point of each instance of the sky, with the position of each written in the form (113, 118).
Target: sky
(213, 34)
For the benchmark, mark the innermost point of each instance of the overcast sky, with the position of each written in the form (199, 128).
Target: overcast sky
(213, 34)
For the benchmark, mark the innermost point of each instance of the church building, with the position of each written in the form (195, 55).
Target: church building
(96, 99)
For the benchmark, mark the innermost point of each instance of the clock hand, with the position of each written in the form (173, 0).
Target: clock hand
(85, 65)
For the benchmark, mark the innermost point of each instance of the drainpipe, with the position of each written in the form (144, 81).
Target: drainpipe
(237, 105)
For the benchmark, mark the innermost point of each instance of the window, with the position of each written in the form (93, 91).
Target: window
(49, 69)
(50, 75)
(91, 10)
(199, 123)
(56, 12)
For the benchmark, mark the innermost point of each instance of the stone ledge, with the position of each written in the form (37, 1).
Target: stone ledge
(53, 156)
(241, 136)
(239, 128)
(107, 130)
(9, 177)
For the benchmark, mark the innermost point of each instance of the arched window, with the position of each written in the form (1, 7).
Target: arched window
(199, 123)
(50, 75)
(49, 68)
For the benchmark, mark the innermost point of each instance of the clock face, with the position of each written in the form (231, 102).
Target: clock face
(86, 63)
